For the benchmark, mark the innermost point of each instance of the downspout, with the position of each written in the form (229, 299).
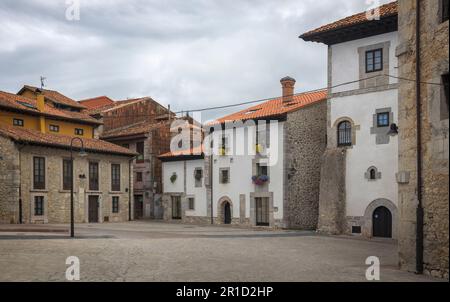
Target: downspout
(20, 185)
(129, 186)
(419, 211)
(212, 185)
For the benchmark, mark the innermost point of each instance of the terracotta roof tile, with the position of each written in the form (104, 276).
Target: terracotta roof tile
(196, 151)
(96, 102)
(27, 105)
(386, 10)
(136, 129)
(54, 96)
(61, 141)
(274, 108)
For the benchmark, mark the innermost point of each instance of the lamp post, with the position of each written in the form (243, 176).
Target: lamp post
(82, 154)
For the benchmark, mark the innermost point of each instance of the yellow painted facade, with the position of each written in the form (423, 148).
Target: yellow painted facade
(34, 123)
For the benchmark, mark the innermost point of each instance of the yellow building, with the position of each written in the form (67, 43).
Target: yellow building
(46, 111)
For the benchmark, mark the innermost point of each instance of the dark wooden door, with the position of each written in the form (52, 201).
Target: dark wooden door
(262, 211)
(176, 207)
(138, 206)
(382, 223)
(227, 213)
(93, 209)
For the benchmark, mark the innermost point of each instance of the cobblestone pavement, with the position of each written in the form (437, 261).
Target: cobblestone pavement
(151, 251)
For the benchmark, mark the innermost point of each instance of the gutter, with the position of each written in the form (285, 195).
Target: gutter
(419, 210)
(129, 186)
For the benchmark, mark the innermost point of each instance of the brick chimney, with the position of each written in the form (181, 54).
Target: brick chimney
(287, 85)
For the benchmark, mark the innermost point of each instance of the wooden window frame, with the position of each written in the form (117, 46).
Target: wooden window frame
(39, 182)
(373, 52)
(67, 175)
(79, 131)
(115, 204)
(115, 177)
(94, 176)
(53, 128)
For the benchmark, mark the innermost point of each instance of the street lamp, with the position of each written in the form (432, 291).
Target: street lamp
(81, 154)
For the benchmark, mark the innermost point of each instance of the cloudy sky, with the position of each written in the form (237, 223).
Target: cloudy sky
(187, 53)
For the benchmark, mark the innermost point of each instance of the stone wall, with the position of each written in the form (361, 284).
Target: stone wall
(57, 200)
(9, 181)
(305, 141)
(332, 214)
(434, 63)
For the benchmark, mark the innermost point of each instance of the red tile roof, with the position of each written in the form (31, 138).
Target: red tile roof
(54, 96)
(114, 105)
(34, 137)
(96, 102)
(136, 129)
(27, 105)
(275, 107)
(390, 9)
(196, 151)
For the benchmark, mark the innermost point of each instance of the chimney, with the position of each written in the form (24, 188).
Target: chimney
(287, 85)
(40, 104)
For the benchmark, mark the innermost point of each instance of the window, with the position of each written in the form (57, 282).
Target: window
(140, 151)
(373, 174)
(53, 128)
(444, 9)
(38, 205)
(344, 134)
(383, 119)
(93, 176)
(39, 173)
(356, 229)
(191, 202)
(115, 177)
(115, 204)
(79, 131)
(444, 97)
(67, 174)
(224, 176)
(18, 122)
(374, 60)
(126, 146)
(198, 176)
(261, 169)
(139, 176)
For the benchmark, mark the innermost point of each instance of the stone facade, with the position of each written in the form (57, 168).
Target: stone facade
(19, 173)
(305, 141)
(434, 53)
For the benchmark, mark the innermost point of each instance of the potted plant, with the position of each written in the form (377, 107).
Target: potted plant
(173, 178)
(260, 180)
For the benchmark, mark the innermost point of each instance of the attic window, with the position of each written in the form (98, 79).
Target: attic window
(26, 104)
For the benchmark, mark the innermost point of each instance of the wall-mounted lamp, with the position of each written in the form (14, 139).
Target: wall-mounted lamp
(393, 131)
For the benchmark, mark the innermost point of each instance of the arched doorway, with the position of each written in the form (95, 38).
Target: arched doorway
(382, 222)
(226, 213)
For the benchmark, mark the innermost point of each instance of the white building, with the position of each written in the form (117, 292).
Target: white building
(359, 187)
(239, 177)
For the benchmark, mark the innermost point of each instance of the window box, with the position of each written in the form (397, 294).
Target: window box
(260, 180)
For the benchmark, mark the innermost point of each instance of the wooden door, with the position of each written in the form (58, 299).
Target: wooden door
(138, 206)
(93, 209)
(382, 222)
(227, 213)
(262, 211)
(176, 207)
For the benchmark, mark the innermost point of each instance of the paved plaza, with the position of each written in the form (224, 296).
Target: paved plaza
(152, 251)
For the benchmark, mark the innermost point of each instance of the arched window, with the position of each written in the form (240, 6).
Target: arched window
(344, 134)
(373, 174)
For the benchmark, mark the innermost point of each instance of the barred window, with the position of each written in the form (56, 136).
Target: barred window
(344, 134)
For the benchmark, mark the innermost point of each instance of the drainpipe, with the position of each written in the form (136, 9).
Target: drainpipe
(130, 161)
(419, 211)
(212, 185)
(20, 185)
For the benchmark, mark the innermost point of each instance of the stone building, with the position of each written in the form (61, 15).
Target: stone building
(141, 125)
(358, 180)
(424, 147)
(35, 165)
(257, 167)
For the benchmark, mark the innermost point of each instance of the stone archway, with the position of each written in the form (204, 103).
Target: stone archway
(224, 211)
(368, 216)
